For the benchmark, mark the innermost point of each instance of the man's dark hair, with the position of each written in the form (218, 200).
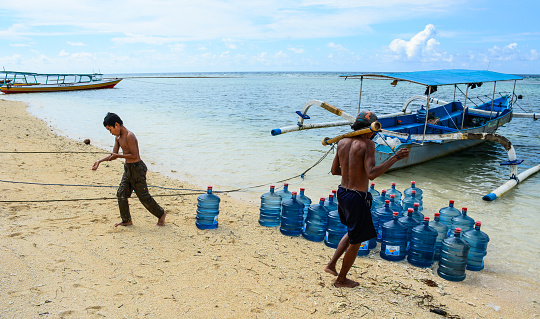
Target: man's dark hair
(111, 119)
(364, 119)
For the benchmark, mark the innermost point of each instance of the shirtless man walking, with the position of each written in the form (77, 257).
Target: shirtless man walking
(134, 178)
(355, 162)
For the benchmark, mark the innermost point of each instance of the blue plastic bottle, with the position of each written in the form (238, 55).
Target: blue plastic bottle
(270, 209)
(394, 191)
(373, 191)
(395, 206)
(454, 256)
(462, 221)
(416, 213)
(373, 241)
(394, 240)
(364, 249)
(334, 192)
(207, 210)
(316, 222)
(384, 214)
(422, 248)
(330, 203)
(335, 230)
(378, 201)
(442, 231)
(409, 201)
(304, 200)
(410, 223)
(478, 241)
(284, 192)
(292, 216)
(447, 213)
(408, 191)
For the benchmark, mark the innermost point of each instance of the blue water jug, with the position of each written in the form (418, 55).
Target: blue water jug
(373, 191)
(394, 191)
(304, 200)
(384, 214)
(394, 240)
(408, 191)
(378, 201)
(284, 193)
(442, 231)
(207, 210)
(447, 213)
(270, 209)
(373, 241)
(395, 206)
(422, 248)
(364, 249)
(462, 221)
(409, 201)
(335, 230)
(316, 222)
(410, 223)
(292, 216)
(454, 256)
(330, 203)
(334, 193)
(478, 241)
(416, 213)
(421, 115)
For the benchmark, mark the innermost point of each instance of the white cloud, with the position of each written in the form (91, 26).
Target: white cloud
(421, 47)
(297, 50)
(76, 44)
(337, 47)
(18, 45)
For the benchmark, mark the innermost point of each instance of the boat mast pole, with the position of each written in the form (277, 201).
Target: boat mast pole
(465, 106)
(493, 99)
(360, 97)
(513, 93)
(427, 113)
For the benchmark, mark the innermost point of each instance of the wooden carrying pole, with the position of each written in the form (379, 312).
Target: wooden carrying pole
(375, 127)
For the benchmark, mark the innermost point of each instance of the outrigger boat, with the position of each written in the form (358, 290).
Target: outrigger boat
(26, 82)
(434, 131)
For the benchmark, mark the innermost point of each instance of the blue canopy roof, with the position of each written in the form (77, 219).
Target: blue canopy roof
(443, 77)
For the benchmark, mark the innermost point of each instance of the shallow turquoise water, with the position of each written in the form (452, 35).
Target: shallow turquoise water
(216, 131)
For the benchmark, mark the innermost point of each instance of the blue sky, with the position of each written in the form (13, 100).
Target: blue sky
(132, 36)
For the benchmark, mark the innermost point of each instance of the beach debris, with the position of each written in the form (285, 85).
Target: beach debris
(495, 307)
(87, 141)
(439, 311)
(429, 282)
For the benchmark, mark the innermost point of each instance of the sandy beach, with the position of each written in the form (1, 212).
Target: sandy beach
(65, 259)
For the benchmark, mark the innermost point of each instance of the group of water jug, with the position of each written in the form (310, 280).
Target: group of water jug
(452, 238)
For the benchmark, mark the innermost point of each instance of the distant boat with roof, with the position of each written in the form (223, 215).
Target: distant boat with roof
(28, 82)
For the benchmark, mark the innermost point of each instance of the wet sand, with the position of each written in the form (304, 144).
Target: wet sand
(65, 259)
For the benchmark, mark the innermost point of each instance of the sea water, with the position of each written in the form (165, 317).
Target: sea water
(196, 121)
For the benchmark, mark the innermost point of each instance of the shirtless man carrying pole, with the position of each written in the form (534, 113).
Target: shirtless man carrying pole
(355, 162)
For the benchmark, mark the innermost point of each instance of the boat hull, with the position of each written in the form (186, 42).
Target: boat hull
(104, 84)
(420, 153)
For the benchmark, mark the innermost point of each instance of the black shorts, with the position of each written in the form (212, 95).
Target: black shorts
(354, 209)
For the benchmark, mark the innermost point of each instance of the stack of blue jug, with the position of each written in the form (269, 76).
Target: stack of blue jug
(454, 256)
(422, 249)
(270, 209)
(292, 216)
(316, 222)
(207, 210)
(394, 240)
(478, 241)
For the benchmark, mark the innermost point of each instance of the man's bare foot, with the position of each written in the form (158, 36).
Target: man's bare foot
(161, 220)
(123, 224)
(331, 270)
(347, 283)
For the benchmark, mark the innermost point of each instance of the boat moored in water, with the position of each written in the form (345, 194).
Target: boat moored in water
(27, 82)
(437, 128)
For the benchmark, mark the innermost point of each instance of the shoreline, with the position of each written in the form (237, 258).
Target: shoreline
(65, 259)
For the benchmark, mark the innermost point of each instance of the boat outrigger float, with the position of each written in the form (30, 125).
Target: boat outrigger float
(26, 82)
(434, 131)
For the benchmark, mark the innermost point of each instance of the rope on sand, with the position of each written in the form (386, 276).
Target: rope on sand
(194, 191)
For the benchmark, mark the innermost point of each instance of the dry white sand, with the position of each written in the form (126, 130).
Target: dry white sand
(66, 260)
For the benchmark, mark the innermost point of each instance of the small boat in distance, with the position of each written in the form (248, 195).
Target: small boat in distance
(27, 82)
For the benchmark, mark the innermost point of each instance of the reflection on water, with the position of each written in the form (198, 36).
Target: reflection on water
(217, 131)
